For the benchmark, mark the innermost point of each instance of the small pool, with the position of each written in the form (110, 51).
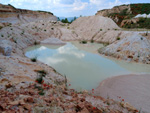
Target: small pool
(83, 67)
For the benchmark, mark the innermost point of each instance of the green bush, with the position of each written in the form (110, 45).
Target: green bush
(40, 80)
(35, 43)
(146, 34)
(42, 72)
(118, 38)
(92, 41)
(83, 42)
(40, 89)
(1, 27)
(34, 59)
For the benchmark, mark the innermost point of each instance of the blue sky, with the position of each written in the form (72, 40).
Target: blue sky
(69, 8)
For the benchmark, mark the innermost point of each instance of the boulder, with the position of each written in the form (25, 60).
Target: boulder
(5, 47)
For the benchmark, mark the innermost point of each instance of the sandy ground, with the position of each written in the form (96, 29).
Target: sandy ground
(134, 89)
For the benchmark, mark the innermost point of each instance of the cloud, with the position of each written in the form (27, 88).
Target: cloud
(71, 51)
(106, 4)
(42, 48)
(65, 7)
(78, 5)
(116, 3)
(96, 2)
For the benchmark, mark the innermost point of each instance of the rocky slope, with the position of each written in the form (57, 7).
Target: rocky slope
(123, 14)
(94, 25)
(10, 14)
(134, 48)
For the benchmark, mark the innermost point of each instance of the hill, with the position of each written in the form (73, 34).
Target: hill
(10, 14)
(124, 15)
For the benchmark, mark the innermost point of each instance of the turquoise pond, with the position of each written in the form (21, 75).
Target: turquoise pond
(84, 68)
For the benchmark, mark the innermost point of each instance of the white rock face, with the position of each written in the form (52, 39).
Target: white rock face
(5, 47)
(142, 15)
(55, 41)
(133, 48)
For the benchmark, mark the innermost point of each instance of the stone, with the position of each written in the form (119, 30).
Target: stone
(5, 47)
(29, 99)
(27, 106)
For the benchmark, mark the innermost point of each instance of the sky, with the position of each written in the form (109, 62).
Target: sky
(69, 8)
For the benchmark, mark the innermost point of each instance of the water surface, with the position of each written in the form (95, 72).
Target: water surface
(83, 67)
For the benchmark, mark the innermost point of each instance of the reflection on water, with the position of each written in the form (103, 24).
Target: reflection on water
(84, 69)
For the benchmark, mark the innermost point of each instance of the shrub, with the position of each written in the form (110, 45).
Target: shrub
(118, 38)
(45, 30)
(35, 43)
(54, 70)
(22, 33)
(41, 92)
(101, 29)
(2, 35)
(34, 59)
(84, 42)
(146, 34)
(92, 41)
(1, 27)
(52, 28)
(40, 89)
(106, 44)
(15, 40)
(40, 80)
(42, 72)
